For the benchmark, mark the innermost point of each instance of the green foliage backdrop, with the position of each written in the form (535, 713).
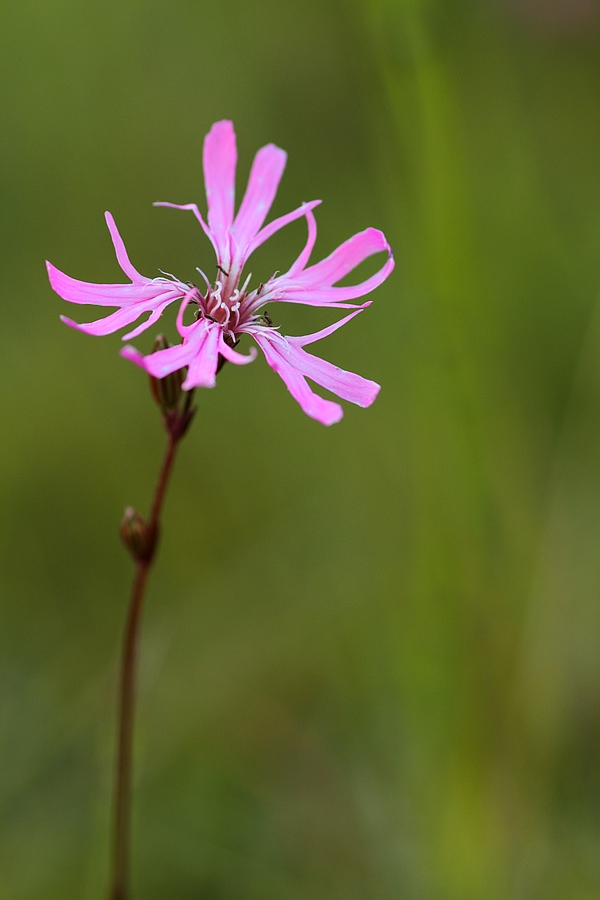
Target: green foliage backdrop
(371, 653)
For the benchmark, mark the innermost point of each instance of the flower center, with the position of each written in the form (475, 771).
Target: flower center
(222, 308)
(229, 306)
(223, 303)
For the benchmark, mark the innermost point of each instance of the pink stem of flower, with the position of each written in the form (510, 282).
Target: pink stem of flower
(122, 800)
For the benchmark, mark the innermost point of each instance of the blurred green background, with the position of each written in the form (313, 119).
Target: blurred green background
(371, 653)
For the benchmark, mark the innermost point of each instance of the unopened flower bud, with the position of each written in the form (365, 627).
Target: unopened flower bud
(166, 391)
(137, 535)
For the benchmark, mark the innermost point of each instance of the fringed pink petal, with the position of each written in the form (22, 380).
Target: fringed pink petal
(184, 330)
(98, 294)
(304, 339)
(334, 296)
(343, 259)
(323, 298)
(108, 324)
(150, 293)
(163, 362)
(202, 371)
(314, 286)
(192, 207)
(274, 226)
(304, 257)
(346, 385)
(152, 319)
(265, 176)
(219, 161)
(233, 356)
(121, 252)
(325, 411)
(133, 355)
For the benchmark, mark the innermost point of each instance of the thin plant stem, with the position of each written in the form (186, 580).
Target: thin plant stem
(122, 798)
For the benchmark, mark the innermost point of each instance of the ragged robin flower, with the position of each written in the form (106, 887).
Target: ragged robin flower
(227, 309)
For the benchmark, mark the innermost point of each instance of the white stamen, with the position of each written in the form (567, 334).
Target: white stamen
(204, 276)
(168, 274)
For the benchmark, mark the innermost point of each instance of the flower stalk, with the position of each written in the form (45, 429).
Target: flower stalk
(141, 539)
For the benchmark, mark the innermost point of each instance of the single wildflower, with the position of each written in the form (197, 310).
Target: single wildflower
(227, 309)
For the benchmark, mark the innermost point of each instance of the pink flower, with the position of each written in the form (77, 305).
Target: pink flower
(227, 309)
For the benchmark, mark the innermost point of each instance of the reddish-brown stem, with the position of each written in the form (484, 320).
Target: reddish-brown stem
(122, 799)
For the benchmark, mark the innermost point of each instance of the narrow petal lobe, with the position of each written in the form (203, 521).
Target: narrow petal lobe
(265, 176)
(325, 411)
(219, 161)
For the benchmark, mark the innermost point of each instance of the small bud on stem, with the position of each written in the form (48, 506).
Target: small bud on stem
(137, 535)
